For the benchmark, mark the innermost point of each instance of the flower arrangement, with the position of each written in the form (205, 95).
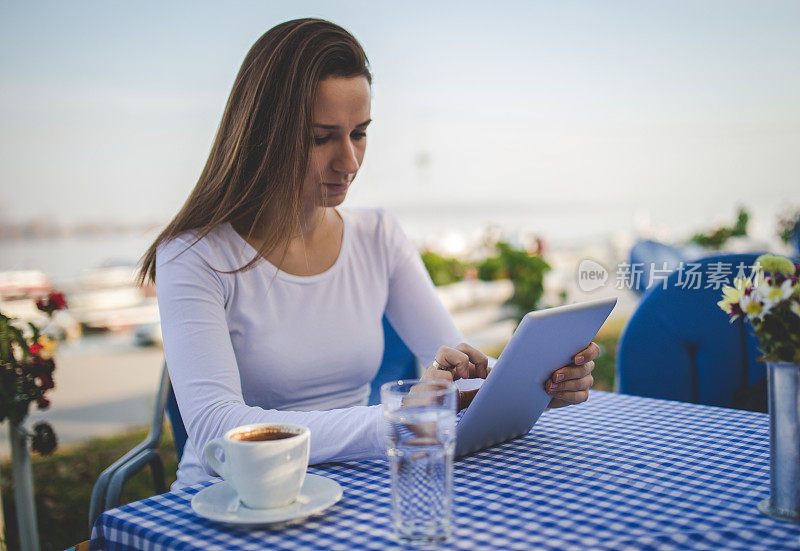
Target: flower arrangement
(26, 372)
(770, 301)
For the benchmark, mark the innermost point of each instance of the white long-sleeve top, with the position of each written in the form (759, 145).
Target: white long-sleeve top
(262, 345)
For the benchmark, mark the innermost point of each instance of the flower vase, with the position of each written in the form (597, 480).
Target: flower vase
(783, 384)
(23, 488)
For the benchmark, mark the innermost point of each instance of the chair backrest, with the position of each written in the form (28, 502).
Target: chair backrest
(179, 435)
(398, 363)
(794, 240)
(680, 345)
(647, 255)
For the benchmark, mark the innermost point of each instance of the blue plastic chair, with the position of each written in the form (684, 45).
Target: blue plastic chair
(179, 435)
(679, 345)
(398, 363)
(648, 255)
(794, 241)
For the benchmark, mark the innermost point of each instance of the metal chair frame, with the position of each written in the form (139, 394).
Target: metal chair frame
(107, 491)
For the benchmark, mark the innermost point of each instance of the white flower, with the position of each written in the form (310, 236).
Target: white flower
(752, 307)
(742, 283)
(771, 295)
(758, 279)
(794, 306)
(730, 296)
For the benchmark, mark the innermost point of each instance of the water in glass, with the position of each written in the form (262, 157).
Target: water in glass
(420, 445)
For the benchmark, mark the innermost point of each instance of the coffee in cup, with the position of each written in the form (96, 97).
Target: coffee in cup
(265, 463)
(269, 433)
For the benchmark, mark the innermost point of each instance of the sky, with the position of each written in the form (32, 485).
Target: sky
(587, 114)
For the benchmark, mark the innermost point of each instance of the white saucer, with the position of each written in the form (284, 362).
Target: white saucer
(219, 501)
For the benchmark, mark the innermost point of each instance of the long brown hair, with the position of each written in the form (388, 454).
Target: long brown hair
(260, 154)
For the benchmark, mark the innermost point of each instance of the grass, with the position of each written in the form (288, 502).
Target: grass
(608, 339)
(63, 486)
(64, 481)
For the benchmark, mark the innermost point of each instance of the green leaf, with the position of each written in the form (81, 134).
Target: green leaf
(35, 331)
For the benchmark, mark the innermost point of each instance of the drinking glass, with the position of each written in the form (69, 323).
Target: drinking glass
(420, 427)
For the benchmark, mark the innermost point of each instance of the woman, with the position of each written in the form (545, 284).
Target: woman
(271, 298)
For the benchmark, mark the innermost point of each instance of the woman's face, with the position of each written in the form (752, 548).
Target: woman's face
(340, 118)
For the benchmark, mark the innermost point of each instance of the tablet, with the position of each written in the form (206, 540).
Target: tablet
(512, 397)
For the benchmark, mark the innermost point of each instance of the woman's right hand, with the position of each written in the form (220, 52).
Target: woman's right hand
(461, 362)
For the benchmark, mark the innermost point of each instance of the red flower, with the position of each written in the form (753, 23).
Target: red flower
(58, 300)
(52, 302)
(35, 348)
(44, 440)
(47, 382)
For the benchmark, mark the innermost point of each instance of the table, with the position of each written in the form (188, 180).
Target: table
(617, 472)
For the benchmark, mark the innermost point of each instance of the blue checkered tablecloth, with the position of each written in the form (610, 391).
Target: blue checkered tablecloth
(618, 472)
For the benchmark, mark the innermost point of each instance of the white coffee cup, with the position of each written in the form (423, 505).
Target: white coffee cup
(265, 473)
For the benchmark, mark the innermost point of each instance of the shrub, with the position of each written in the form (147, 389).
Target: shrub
(718, 237)
(443, 270)
(526, 271)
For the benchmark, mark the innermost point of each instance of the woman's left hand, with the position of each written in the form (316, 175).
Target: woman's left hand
(570, 384)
